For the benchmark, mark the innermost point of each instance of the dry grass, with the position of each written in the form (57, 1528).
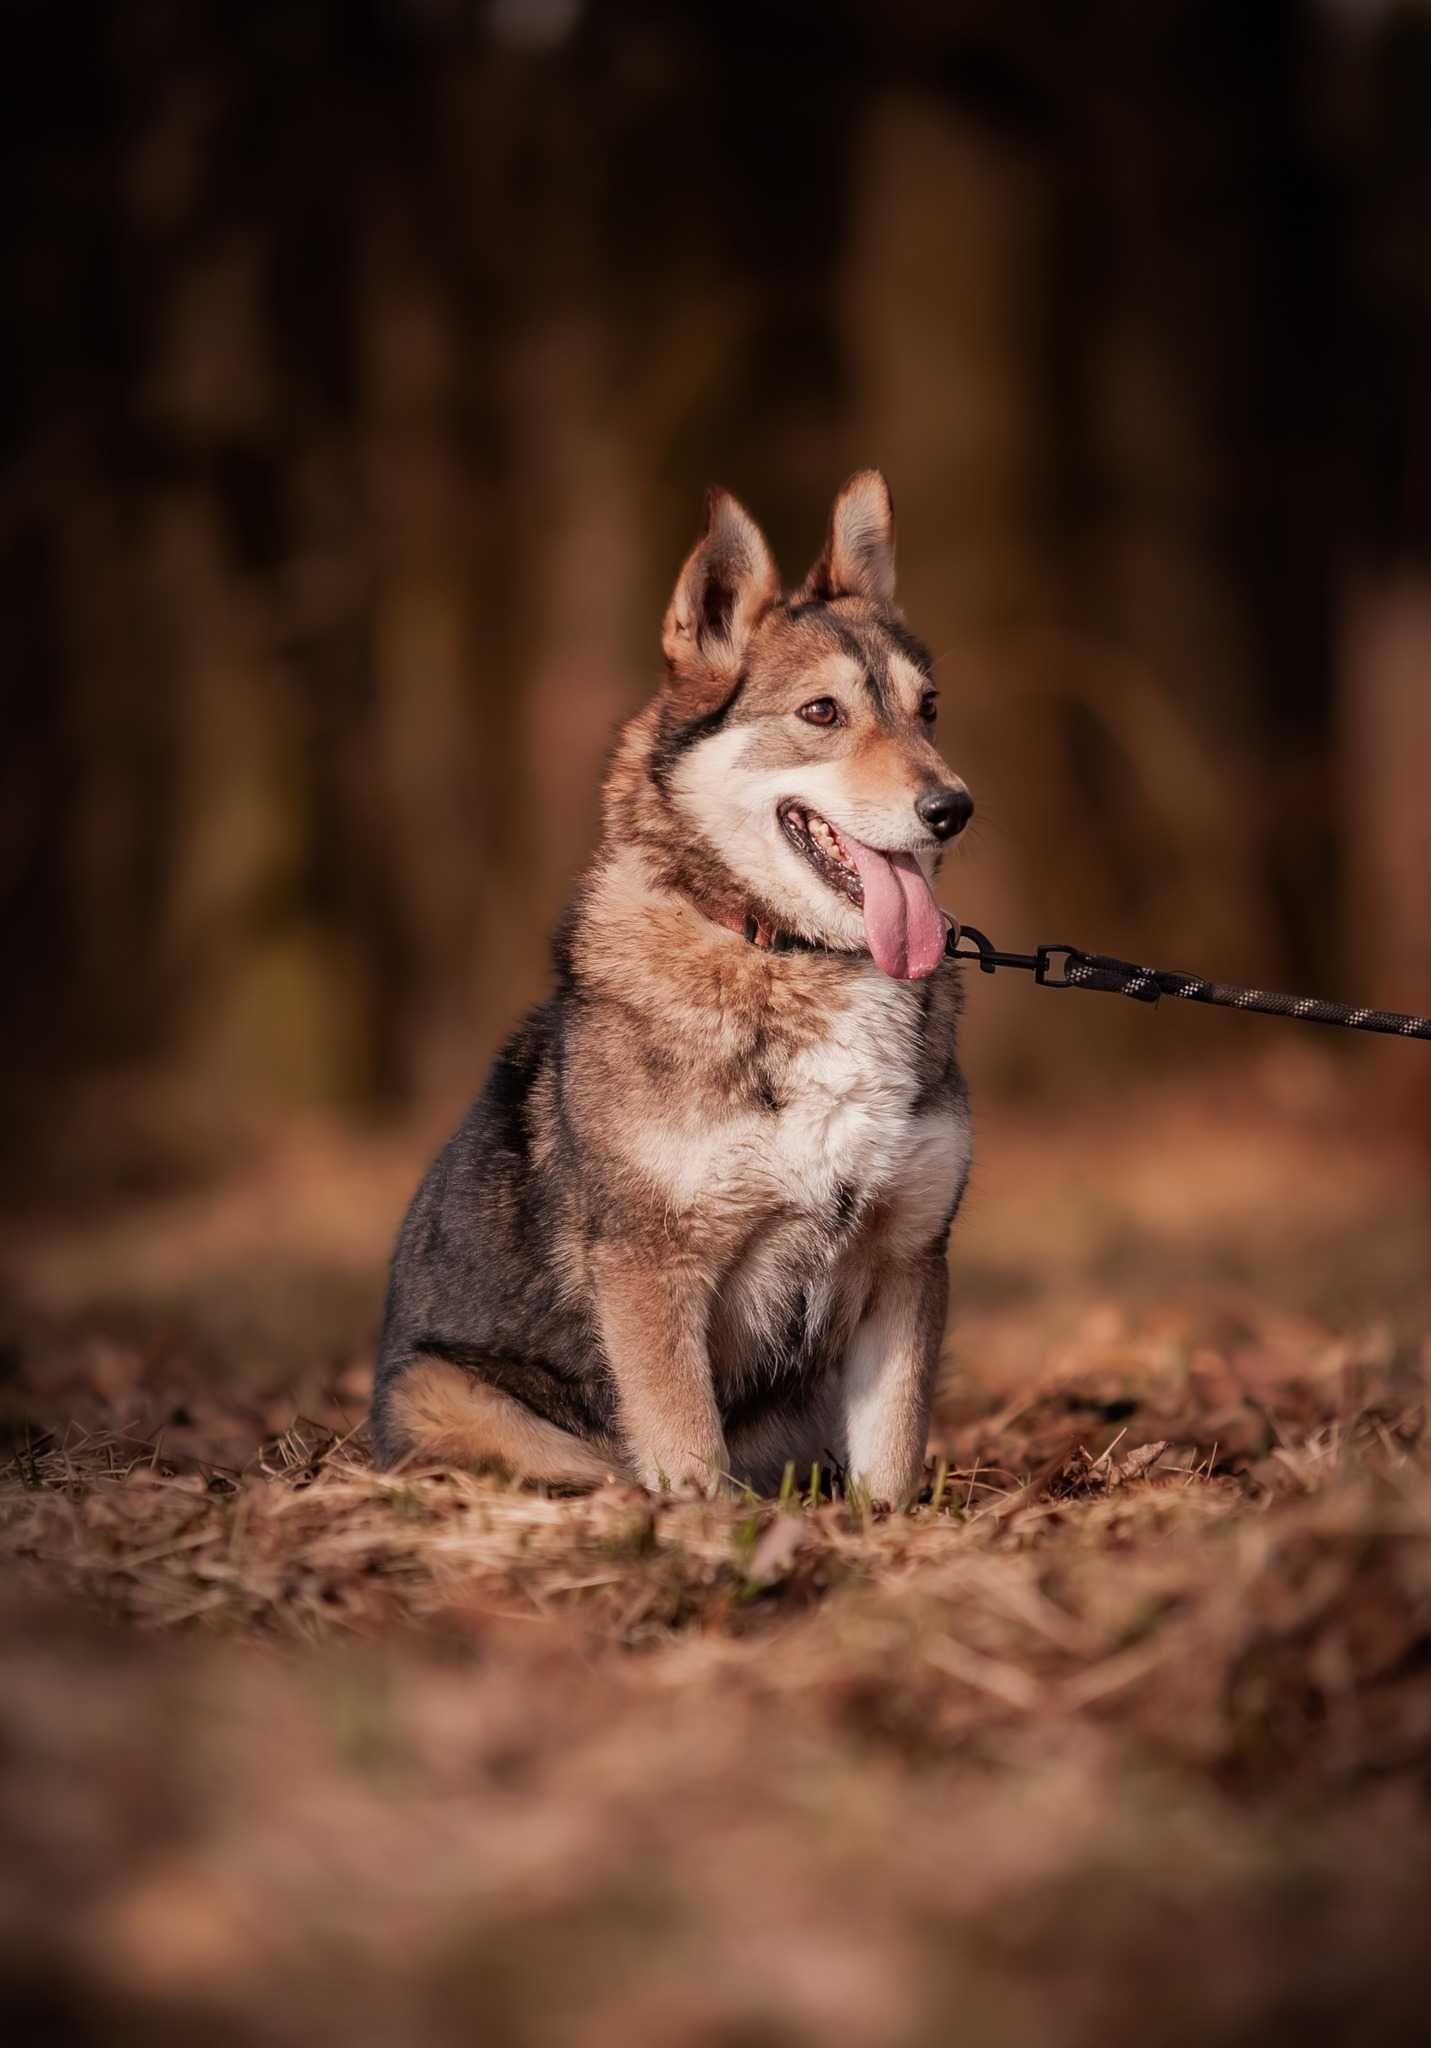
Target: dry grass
(1123, 1733)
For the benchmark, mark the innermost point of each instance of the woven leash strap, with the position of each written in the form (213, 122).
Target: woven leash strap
(1101, 972)
(1146, 984)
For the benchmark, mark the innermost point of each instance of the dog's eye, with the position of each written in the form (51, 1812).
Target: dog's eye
(820, 711)
(929, 706)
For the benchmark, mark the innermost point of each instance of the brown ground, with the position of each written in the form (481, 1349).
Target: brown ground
(1123, 1735)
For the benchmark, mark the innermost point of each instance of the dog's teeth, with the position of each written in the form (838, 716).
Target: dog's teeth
(828, 841)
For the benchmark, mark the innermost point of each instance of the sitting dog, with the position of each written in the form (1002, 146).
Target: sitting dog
(695, 1226)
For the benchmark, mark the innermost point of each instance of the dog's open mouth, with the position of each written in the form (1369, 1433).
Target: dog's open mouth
(816, 839)
(903, 924)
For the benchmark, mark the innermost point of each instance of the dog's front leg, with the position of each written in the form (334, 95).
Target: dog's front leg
(653, 1314)
(889, 1378)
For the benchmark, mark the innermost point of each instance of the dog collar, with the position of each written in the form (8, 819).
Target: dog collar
(769, 938)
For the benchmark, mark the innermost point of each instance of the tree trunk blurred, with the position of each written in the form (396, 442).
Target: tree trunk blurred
(579, 491)
(424, 762)
(1386, 759)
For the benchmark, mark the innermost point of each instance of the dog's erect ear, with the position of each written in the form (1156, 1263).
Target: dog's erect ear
(858, 560)
(728, 580)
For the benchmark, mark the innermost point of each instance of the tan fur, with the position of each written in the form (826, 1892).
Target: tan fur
(858, 558)
(653, 1318)
(882, 770)
(726, 582)
(445, 1416)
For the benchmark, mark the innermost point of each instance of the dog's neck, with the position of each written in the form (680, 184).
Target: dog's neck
(772, 938)
(766, 937)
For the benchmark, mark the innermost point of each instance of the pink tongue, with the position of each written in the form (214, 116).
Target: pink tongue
(904, 925)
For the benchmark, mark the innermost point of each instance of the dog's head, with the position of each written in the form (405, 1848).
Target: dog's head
(797, 734)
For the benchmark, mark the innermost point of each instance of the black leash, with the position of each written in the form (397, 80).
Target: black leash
(1069, 967)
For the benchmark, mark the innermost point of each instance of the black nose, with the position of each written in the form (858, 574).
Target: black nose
(945, 811)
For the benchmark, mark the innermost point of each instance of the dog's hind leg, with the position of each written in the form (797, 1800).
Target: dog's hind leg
(437, 1412)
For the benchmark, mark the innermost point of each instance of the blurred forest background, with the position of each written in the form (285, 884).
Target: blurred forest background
(364, 369)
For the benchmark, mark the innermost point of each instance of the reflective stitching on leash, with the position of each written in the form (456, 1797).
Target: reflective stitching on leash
(1098, 971)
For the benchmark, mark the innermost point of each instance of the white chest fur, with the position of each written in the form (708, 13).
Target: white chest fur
(845, 1132)
(848, 1099)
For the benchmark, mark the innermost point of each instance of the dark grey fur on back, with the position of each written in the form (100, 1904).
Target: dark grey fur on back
(474, 1276)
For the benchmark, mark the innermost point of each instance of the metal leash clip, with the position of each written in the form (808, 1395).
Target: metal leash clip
(987, 956)
(1044, 956)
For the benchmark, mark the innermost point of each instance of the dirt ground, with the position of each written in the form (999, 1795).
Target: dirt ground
(1123, 1734)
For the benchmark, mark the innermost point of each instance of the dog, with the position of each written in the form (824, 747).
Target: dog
(695, 1226)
